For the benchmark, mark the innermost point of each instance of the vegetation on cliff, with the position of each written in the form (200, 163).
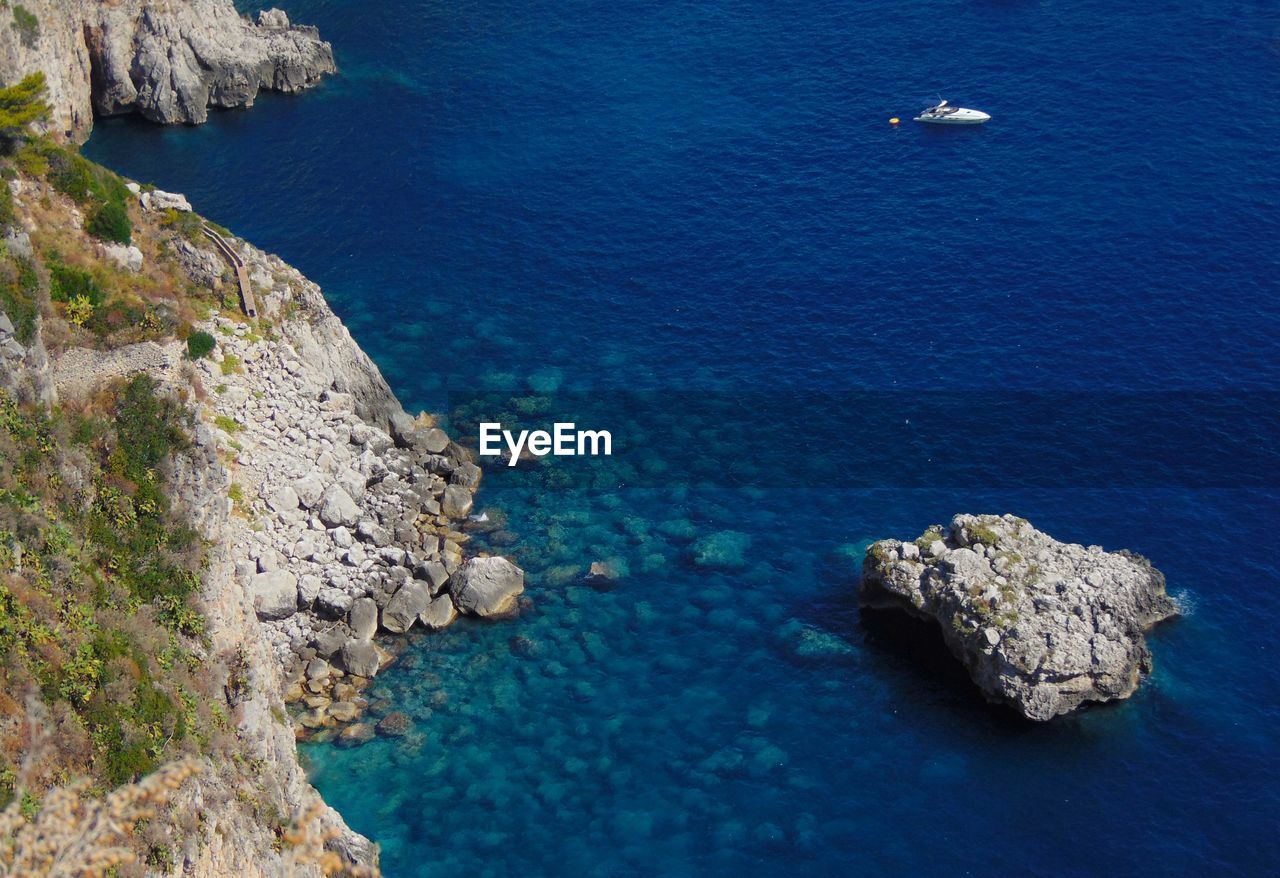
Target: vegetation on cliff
(97, 577)
(111, 694)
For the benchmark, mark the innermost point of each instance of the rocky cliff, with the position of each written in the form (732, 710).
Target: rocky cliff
(335, 521)
(168, 60)
(1042, 626)
(229, 818)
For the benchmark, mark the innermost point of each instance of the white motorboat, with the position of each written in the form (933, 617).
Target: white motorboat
(945, 114)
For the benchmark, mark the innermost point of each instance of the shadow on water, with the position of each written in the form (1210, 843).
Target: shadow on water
(912, 656)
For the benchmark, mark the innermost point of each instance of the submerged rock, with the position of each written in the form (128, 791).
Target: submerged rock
(1040, 625)
(602, 575)
(808, 643)
(723, 550)
(394, 725)
(355, 735)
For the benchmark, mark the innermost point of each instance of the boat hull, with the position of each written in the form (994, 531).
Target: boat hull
(960, 117)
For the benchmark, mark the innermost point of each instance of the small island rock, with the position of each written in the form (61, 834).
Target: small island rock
(1040, 625)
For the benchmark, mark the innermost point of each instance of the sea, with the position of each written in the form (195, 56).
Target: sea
(692, 224)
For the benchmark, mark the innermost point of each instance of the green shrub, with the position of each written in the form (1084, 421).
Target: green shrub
(7, 216)
(70, 174)
(150, 427)
(230, 364)
(21, 104)
(102, 615)
(186, 224)
(111, 223)
(19, 296)
(78, 178)
(27, 26)
(200, 344)
(66, 282)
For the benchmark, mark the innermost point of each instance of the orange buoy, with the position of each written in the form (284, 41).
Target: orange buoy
(894, 121)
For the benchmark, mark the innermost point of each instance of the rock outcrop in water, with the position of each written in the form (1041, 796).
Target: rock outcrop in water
(1040, 625)
(167, 61)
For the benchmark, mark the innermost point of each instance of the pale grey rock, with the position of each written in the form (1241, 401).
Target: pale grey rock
(18, 242)
(337, 508)
(1040, 625)
(402, 427)
(438, 614)
(126, 256)
(310, 489)
(393, 555)
(487, 586)
(361, 657)
(467, 474)
(342, 538)
(402, 610)
(333, 602)
(309, 587)
(161, 201)
(457, 501)
(285, 499)
(354, 483)
(328, 643)
(434, 440)
(433, 573)
(363, 618)
(274, 594)
(273, 18)
(269, 560)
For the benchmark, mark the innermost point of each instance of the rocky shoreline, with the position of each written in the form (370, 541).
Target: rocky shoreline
(336, 522)
(1040, 625)
(167, 62)
(350, 516)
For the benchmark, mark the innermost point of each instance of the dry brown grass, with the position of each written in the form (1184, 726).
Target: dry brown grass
(71, 834)
(305, 842)
(161, 282)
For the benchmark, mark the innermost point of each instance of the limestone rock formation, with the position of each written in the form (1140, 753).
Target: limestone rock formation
(1040, 625)
(167, 61)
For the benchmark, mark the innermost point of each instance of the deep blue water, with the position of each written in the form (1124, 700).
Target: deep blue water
(817, 323)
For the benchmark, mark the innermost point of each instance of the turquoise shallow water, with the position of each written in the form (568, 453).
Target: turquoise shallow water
(818, 321)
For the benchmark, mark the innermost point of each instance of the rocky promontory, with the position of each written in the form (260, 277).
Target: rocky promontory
(331, 520)
(169, 62)
(1041, 625)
